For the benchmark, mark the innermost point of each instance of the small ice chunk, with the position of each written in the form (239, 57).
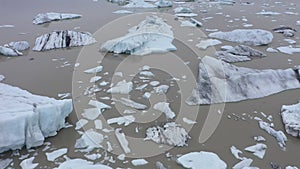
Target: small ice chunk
(291, 167)
(236, 153)
(139, 4)
(98, 124)
(91, 114)
(28, 164)
(267, 13)
(170, 134)
(154, 83)
(146, 95)
(125, 120)
(160, 165)
(94, 70)
(89, 141)
(99, 105)
(141, 87)
(161, 89)
(121, 87)
(139, 162)
(122, 140)
(55, 154)
(80, 123)
(244, 164)
(147, 73)
(271, 50)
(188, 121)
(104, 83)
(121, 157)
(95, 79)
(122, 12)
(2, 77)
(133, 104)
(278, 135)
(165, 108)
(80, 164)
(164, 4)
(290, 115)
(5, 163)
(120, 74)
(288, 50)
(259, 138)
(93, 157)
(201, 160)
(258, 150)
(204, 44)
(146, 67)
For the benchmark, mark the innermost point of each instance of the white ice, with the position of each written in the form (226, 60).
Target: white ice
(139, 4)
(122, 140)
(243, 164)
(132, 104)
(161, 89)
(258, 150)
(28, 163)
(55, 154)
(290, 115)
(89, 141)
(80, 123)
(9, 52)
(53, 16)
(236, 153)
(201, 160)
(165, 108)
(121, 87)
(288, 50)
(94, 70)
(124, 120)
(204, 44)
(278, 135)
(122, 12)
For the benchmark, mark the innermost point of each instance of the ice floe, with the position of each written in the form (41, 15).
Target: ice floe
(124, 120)
(80, 123)
(164, 4)
(122, 140)
(239, 53)
(254, 37)
(268, 13)
(161, 89)
(19, 45)
(244, 164)
(139, 4)
(28, 163)
(122, 12)
(9, 52)
(288, 50)
(240, 83)
(121, 87)
(165, 108)
(94, 70)
(236, 153)
(291, 118)
(258, 150)
(53, 16)
(89, 141)
(25, 117)
(286, 31)
(132, 104)
(171, 134)
(4, 163)
(204, 44)
(55, 154)
(139, 162)
(80, 164)
(152, 35)
(201, 160)
(63, 39)
(278, 135)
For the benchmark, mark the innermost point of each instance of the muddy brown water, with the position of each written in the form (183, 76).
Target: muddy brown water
(39, 74)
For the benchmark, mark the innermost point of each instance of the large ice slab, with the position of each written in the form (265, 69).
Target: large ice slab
(152, 35)
(26, 119)
(220, 82)
(53, 16)
(254, 37)
(63, 39)
(201, 160)
(291, 118)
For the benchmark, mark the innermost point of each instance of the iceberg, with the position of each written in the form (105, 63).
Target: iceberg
(239, 53)
(258, 150)
(53, 16)
(164, 4)
(139, 162)
(201, 160)
(26, 119)
(278, 135)
(19, 46)
(286, 31)
(255, 37)
(288, 50)
(139, 4)
(152, 35)
(171, 134)
(63, 39)
(204, 44)
(220, 82)
(9, 52)
(291, 118)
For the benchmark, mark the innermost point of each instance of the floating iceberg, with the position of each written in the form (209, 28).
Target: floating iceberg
(139, 162)
(258, 150)
(164, 4)
(220, 82)
(165, 108)
(278, 135)
(288, 50)
(291, 118)
(152, 35)
(63, 39)
(124, 120)
(204, 44)
(53, 16)
(201, 160)
(170, 134)
(89, 141)
(244, 164)
(254, 37)
(19, 46)
(55, 154)
(28, 163)
(9, 52)
(239, 53)
(26, 119)
(132, 104)
(286, 31)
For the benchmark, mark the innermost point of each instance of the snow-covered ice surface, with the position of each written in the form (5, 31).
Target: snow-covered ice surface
(254, 37)
(24, 117)
(55, 154)
(53, 16)
(201, 160)
(170, 134)
(220, 82)
(152, 35)
(239, 53)
(63, 39)
(258, 150)
(81, 164)
(291, 118)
